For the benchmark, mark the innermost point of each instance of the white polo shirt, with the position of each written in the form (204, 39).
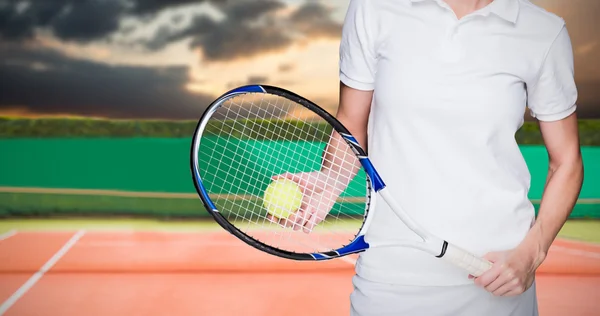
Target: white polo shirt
(449, 96)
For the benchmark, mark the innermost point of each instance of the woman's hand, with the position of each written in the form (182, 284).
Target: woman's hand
(317, 200)
(513, 271)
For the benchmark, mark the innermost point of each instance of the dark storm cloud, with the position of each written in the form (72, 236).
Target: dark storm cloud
(85, 21)
(250, 27)
(76, 20)
(232, 41)
(44, 81)
(236, 35)
(164, 35)
(142, 7)
(241, 36)
(68, 19)
(314, 19)
(176, 19)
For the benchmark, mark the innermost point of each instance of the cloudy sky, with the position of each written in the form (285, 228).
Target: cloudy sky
(170, 58)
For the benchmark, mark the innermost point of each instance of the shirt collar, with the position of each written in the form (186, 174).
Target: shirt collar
(506, 9)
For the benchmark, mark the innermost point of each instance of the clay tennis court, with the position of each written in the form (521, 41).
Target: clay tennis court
(138, 272)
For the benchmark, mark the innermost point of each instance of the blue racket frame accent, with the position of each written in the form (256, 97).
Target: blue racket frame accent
(204, 193)
(378, 183)
(246, 89)
(359, 244)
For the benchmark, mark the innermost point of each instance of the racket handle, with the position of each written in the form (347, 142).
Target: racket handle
(474, 265)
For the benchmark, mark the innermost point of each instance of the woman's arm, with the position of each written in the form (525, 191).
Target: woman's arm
(339, 162)
(516, 271)
(563, 184)
(353, 112)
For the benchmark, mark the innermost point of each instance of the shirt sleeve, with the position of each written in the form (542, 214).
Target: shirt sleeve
(358, 59)
(553, 94)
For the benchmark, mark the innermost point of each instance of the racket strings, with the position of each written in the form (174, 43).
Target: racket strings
(263, 217)
(242, 131)
(252, 138)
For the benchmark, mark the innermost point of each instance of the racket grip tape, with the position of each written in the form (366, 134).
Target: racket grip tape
(476, 266)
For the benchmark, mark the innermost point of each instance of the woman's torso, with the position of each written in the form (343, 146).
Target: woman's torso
(449, 98)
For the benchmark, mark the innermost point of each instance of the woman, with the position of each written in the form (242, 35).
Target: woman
(437, 90)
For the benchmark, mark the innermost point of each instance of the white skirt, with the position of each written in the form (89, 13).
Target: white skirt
(378, 299)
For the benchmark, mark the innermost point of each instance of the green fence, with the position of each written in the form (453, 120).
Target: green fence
(151, 177)
(528, 134)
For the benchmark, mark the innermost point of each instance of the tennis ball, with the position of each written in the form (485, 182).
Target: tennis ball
(282, 197)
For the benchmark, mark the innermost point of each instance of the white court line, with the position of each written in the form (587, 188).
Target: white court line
(40, 273)
(577, 252)
(8, 234)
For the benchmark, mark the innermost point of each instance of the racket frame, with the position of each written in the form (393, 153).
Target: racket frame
(430, 243)
(356, 245)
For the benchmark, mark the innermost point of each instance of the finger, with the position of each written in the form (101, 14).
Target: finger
(309, 224)
(302, 220)
(275, 220)
(503, 279)
(295, 220)
(493, 256)
(506, 287)
(313, 220)
(291, 220)
(285, 222)
(515, 291)
(489, 276)
(517, 287)
(493, 273)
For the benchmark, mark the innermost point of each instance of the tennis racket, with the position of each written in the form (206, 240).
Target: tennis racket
(254, 134)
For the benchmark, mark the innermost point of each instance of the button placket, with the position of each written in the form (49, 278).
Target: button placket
(451, 48)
